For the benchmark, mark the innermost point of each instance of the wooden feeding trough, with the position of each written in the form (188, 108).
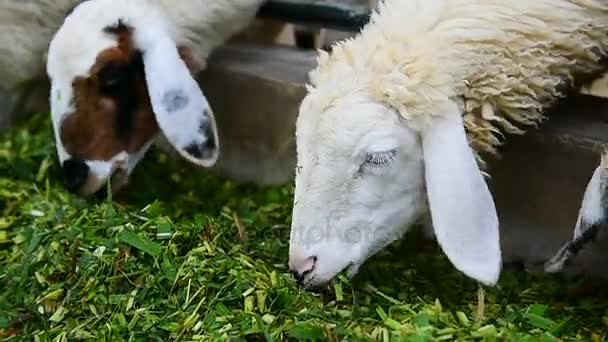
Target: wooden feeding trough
(255, 87)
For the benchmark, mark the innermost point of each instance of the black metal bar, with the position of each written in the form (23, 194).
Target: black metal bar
(317, 13)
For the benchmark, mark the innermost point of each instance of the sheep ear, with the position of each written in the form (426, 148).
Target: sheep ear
(180, 107)
(462, 209)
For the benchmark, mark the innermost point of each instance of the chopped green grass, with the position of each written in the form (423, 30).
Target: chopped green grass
(184, 255)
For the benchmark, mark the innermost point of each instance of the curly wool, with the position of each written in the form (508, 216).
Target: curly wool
(26, 28)
(198, 25)
(502, 61)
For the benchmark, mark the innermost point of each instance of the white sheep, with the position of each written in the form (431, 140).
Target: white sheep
(395, 120)
(121, 74)
(592, 218)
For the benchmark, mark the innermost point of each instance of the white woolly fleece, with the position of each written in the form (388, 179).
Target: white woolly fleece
(199, 25)
(502, 61)
(26, 28)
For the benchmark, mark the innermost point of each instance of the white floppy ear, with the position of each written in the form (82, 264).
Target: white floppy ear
(462, 209)
(180, 107)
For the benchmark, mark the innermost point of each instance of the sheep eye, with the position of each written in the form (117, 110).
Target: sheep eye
(378, 159)
(110, 77)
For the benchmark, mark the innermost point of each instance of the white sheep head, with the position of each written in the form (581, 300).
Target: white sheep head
(118, 79)
(366, 173)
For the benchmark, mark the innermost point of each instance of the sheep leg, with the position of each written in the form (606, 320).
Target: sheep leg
(593, 216)
(570, 249)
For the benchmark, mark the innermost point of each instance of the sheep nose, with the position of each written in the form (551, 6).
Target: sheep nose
(301, 267)
(75, 174)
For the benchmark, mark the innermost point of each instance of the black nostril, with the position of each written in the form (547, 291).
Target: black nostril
(75, 174)
(300, 275)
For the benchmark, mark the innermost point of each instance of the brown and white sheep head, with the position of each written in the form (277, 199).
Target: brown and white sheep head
(117, 82)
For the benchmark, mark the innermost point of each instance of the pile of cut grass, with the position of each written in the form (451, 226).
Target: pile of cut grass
(181, 255)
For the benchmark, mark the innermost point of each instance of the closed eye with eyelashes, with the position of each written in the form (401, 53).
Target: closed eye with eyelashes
(378, 159)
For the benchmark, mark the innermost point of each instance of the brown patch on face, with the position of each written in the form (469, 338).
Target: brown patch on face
(113, 110)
